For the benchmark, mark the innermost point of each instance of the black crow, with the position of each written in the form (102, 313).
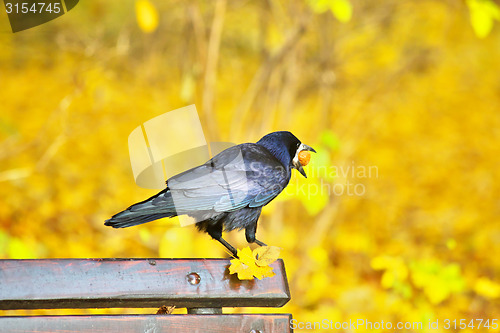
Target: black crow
(227, 192)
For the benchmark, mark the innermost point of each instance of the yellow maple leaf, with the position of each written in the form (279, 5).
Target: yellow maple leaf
(246, 256)
(254, 264)
(244, 272)
(265, 255)
(266, 271)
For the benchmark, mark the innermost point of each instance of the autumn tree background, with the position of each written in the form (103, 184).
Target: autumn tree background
(399, 218)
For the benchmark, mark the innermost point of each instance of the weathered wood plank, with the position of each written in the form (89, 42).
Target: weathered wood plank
(108, 283)
(150, 323)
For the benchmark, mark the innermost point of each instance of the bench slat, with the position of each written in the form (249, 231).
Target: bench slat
(150, 323)
(138, 283)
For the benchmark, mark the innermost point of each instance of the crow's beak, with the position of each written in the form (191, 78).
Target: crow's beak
(301, 170)
(308, 148)
(297, 163)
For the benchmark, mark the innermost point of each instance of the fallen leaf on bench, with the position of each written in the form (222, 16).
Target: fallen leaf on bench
(254, 264)
(266, 255)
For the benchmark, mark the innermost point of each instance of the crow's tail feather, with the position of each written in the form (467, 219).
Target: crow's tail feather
(120, 221)
(144, 211)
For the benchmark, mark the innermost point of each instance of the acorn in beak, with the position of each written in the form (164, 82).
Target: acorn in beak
(302, 158)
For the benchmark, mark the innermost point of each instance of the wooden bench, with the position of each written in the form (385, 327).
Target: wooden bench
(203, 286)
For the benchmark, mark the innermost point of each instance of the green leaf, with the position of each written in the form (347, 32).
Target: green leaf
(20, 250)
(330, 139)
(314, 195)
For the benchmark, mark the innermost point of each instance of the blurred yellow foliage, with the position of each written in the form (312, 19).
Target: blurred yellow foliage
(399, 216)
(483, 13)
(147, 15)
(487, 288)
(341, 9)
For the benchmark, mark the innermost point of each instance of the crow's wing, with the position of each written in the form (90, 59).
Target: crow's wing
(246, 175)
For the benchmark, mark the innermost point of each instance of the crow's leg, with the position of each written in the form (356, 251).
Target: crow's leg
(250, 235)
(228, 246)
(216, 232)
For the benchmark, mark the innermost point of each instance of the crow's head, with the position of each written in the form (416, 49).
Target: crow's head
(286, 147)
